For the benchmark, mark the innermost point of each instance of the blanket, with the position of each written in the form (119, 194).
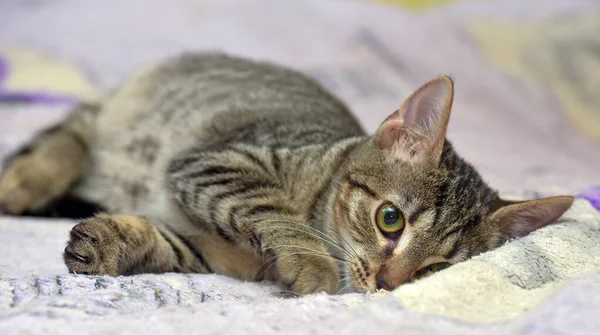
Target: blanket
(37, 295)
(525, 114)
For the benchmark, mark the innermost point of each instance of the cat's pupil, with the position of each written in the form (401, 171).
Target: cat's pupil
(391, 216)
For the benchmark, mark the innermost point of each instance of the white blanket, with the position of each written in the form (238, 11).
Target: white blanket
(36, 292)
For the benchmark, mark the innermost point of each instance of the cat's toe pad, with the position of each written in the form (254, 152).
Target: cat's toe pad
(91, 249)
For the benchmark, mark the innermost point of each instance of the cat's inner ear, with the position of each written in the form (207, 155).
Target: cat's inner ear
(519, 218)
(418, 128)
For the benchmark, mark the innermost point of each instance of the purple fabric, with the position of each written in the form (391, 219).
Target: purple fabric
(36, 97)
(592, 195)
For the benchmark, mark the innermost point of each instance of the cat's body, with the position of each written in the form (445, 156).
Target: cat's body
(254, 171)
(197, 103)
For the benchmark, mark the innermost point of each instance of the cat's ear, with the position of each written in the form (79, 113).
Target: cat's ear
(418, 129)
(519, 218)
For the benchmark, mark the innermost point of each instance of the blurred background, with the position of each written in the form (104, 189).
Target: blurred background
(527, 104)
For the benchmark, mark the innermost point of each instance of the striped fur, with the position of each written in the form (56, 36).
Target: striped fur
(247, 169)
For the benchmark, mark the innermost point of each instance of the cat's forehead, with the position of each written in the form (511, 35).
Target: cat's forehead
(402, 185)
(375, 163)
(409, 176)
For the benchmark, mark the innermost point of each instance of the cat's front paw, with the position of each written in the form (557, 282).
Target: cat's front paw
(306, 274)
(93, 248)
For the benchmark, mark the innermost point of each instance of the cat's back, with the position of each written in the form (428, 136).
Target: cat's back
(202, 100)
(191, 94)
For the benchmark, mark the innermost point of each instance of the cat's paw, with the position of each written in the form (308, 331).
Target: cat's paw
(306, 274)
(28, 183)
(93, 247)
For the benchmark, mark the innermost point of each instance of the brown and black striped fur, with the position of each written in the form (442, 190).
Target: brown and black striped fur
(211, 163)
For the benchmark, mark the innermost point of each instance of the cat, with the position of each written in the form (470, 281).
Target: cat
(210, 163)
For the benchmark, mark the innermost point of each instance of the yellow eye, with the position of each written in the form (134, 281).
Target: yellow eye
(438, 266)
(389, 219)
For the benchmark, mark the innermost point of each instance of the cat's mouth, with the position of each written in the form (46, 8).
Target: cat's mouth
(363, 280)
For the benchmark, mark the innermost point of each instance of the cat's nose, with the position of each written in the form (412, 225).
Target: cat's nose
(388, 278)
(381, 283)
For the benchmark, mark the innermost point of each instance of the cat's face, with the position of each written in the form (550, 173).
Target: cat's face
(408, 206)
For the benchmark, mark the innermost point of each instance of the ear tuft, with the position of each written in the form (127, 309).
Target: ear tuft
(418, 128)
(517, 219)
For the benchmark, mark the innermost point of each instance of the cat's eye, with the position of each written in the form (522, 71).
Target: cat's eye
(438, 266)
(389, 219)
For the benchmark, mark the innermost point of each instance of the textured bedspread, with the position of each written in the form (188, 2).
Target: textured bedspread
(547, 281)
(526, 114)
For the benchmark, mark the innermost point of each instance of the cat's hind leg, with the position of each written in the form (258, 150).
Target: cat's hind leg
(44, 169)
(126, 245)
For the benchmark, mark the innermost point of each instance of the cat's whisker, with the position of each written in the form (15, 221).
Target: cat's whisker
(332, 243)
(344, 279)
(343, 288)
(272, 260)
(316, 252)
(321, 233)
(310, 252)
(347, 243)
(321, 238)
(300, 224)
(339, 234)
(310, 249)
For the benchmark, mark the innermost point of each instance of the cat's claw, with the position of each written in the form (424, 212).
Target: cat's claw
(92, 248)
(70, 252)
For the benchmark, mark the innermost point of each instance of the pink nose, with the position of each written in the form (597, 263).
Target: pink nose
(381, 283)
(388, 278)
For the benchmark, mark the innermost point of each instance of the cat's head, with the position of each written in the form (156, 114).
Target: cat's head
(408, 205)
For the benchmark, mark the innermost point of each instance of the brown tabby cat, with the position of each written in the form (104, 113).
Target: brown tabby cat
(254, 171)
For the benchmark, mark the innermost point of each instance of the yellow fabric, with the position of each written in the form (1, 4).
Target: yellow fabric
(560, 56)
(418, 4)
(29, 70)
